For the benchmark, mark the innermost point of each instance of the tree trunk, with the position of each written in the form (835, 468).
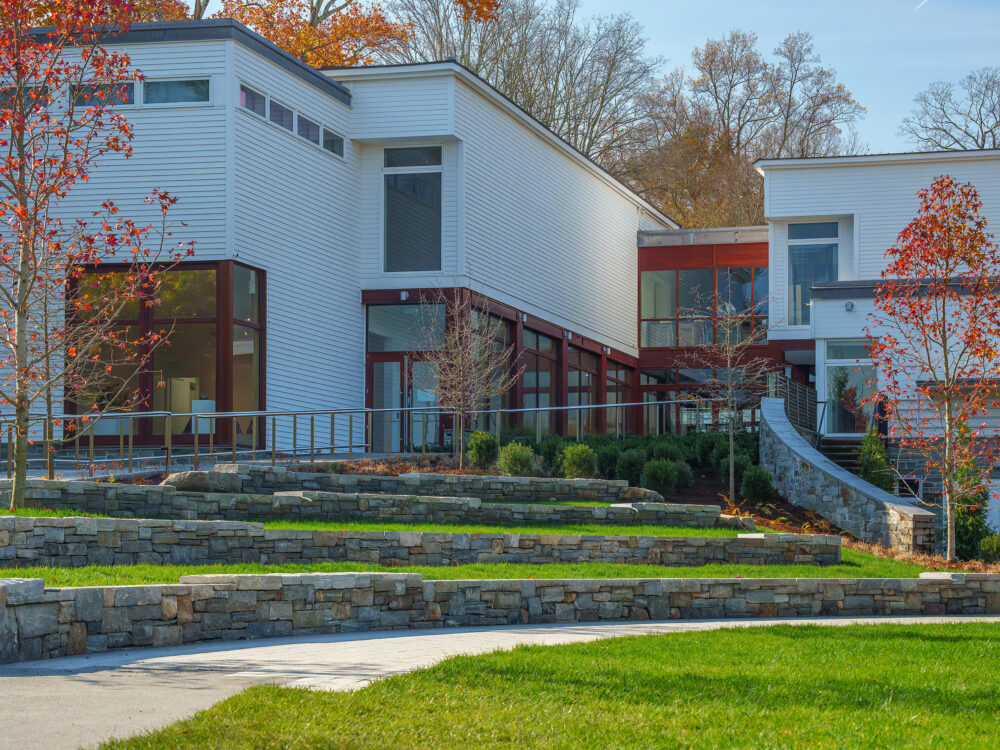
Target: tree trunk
(20, 448)
(950, 515)
(732, 461)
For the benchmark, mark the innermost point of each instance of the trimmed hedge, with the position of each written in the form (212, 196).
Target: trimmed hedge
(578, 461)
(516, 460)
(482, 450)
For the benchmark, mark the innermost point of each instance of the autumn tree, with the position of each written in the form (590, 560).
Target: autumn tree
(934, 338)
(583, 78)
(704, 130)
(57, 118)
(957, 118)
(473, 360)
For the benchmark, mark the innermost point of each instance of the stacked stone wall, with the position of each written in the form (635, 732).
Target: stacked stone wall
(168, 501)
(37, 623)
(807, 478)
(76, 542)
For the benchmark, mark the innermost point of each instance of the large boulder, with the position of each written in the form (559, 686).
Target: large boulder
(639, 495)
(205, 481)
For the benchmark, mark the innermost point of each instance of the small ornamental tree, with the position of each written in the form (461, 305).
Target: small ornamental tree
(934, 338)
(57, 306)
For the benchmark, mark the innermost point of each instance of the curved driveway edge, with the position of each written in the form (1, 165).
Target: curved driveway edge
(123, 693)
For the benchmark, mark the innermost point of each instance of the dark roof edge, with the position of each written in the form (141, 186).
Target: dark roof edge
(212, 29)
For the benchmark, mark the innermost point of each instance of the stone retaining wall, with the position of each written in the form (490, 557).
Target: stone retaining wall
(167, 501)
(807, 478)
(75, 542)
(36, 622)
(252, 479)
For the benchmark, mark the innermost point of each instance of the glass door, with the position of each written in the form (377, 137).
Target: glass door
(386, 386)
(425, 426)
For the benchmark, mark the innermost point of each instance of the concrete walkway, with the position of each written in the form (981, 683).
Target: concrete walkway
(81, 701)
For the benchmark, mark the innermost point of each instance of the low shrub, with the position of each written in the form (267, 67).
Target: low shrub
(756, 485)
(971, 528)
(989, 548)
(660, 475)
(516, 460)
(482, 449)
(578, 461)
(630, 466)
(668, 449)
(522, 435)
(741, 461)
(684, 478)
(549, 449)
(704, 444)
(873, 461)
(607, 461)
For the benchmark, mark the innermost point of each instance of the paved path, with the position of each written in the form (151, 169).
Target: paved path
(84, 700)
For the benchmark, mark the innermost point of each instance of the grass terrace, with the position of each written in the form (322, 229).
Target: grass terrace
(855, 565)
(913, 686)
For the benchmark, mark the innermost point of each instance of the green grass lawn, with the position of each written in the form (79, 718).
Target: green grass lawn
(581, 528)
(866, 686)
(855, 565)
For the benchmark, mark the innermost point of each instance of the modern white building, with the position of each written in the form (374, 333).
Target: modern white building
(831, 221)
(324, 204)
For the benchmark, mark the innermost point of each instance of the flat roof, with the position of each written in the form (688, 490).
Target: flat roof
(763, 165)
(707, 236)
(491, 92)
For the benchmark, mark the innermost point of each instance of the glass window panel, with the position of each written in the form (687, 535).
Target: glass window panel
(846, 388)
(658, 333)
(100, 293)
(104, 94)
(401, 328)
(111, 383)
(184, 376)
(255, 102)
(245, 294)
(695, 292)
(308, 130)
(530, 340)
(659, 294)
(546, 344)
(176, 92)
(658, 377)
(246, 382)
(807, 265)
(414, 156)
(695, 375)
(333, 142)
(734, 290)
(694, 332)
(847, 349)
(413, 222)
(187, 294)
(814, 231)
(760, 290)
(281, 115)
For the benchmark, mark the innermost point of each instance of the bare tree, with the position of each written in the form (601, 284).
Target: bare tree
(946, 119)
(701, 133)
(584, 79)
(739, 367)
(474, 361)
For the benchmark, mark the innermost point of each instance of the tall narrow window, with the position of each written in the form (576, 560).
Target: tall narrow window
(812, 259)
(412, 225)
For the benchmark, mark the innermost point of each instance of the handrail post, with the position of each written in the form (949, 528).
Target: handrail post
(195, 428)
(121, 442)
(90, 469)
(496, 416)
(538, 426)
(350, 435)
(232, 436)
(76, 445)
(274, 441)
(579, 425)
(388, 433)
(253, 438)
(312, 439)
(423, 433)
(454, 434)
(131, 431)
(333, 435)
(168, 429)
(295, 436)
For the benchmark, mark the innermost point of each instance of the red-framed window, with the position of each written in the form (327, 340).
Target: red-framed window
(680, 307)
(539, 380)
(583, 379)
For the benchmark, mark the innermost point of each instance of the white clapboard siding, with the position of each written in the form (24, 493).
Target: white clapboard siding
(295, 215)
(542, 232)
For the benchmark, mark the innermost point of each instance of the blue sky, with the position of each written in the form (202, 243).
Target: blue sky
(884, 51)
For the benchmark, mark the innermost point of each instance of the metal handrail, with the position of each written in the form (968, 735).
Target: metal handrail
(71, 423)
